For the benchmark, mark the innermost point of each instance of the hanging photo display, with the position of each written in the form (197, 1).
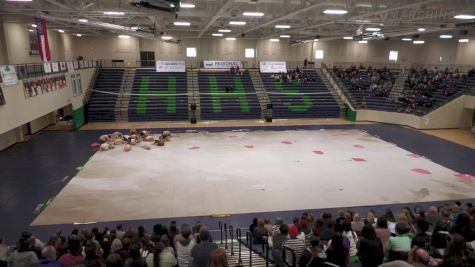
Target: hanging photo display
(2, 97)
(62, 66)
(34, 87)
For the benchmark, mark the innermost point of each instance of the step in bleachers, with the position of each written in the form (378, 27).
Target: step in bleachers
(217, 104)
(170, 102)
(101, 105)
(311, 99)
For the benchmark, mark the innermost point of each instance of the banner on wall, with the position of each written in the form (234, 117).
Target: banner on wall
(272, 66)
(42, 35)
(70, 65)
(44, 85)
(2, 97)
(221, 64)
(81, 64)
(75, 64)
(171, 66)
(62, 66)
(8, 74)
(94, 63)
(55, 66)
(47, 67)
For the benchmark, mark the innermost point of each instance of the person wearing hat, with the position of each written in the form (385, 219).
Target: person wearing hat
(294, 243)
(314, 255)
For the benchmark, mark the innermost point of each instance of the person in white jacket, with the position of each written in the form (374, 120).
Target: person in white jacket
(184, 246)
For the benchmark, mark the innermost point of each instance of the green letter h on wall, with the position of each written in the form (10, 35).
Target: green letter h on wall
(239, 92)
(145, 95)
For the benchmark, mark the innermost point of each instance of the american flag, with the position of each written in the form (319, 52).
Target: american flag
(43, 44)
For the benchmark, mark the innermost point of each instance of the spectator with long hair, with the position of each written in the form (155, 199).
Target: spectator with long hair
(370, 248)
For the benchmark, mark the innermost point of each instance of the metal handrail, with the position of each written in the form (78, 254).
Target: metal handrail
(231, 232)
(92, 84)
(238, 235)
(249, 244)
(220, 223)
(225, 236)
(265, 248)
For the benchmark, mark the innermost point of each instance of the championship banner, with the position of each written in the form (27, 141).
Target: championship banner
(62, 66)
(70, 66)
(272, 66)
(8, 74)
(81, 64)
(221, 64)
(34, 87)
(43, 45)
(47, 67)
(55, 66)
(171, 66)
(94, 64)
(75, 64)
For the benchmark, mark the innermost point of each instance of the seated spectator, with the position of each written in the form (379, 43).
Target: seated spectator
(93, 256)
(383, 233)
(278, 241)
(371, 218)
(446, 216)
(259, 233)
(184, 246)
(115, 260)
(218, 258)
(253, 224)
(457, 254)
(421, 239)
(74, 256)
(313, 255)
(24, 256)
(201, 252)
(4, 252)
(400, 245)
(370, 248)
(351, 236)
(432, 217)
(337, 253)
(463, 227)
(276, 226)
(294, 243)
(48, 257)
(357, 224)
(268, 226)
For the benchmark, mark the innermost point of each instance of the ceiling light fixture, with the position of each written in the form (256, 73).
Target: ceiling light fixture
(421, 29)
(445, 36)
(253, 14)
(134, 28)
(406, 39)
(83, 20)
(348, 37)
(464, 16)
(78, 35)
(217, 34)
(114, 13)
(166, 38)
(237, 23)
(363, 42)
(59, 30)
(419, 42)
(274, 40)
(30, 30)
(285, 36)
(230, 39)
(464, 41)
(187, 5)
(282, 26)
(124, 36)
(33, 25)
(224, 30)
(373, 29)
(315, 40)
(335, 11)
(181, 23)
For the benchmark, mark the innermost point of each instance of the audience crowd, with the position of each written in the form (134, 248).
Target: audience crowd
(421, 85)
(443, 236)
(378, 82)
(295, 75)
(439, 237)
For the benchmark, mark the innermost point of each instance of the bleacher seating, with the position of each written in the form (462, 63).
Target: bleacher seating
(295, 100)
(169, 107)
(101, 105)
(217, 104)
(361, 93)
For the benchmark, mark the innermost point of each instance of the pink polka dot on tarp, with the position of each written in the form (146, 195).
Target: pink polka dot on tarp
(421, 171)
(358, 146)
(358, 159)
(465, 177)
(95, 145)
(318, 152)
(287, 142)
(249, 146)
(414, 155)
(233, 136)
(195, 147)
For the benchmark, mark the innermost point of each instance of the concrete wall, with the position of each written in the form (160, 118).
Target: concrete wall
(20, 110)
(456, 114)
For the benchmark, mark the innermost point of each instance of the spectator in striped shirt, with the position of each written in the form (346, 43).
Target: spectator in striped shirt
(296, 244)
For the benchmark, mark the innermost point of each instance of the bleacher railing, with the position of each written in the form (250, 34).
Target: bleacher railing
(92, 84)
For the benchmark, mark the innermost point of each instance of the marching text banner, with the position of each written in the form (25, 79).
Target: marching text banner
(272, 66)
(171, 66)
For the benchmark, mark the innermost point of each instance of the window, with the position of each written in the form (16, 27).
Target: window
(393, 55)
(191, 52)
(249, 52)
(319, 54)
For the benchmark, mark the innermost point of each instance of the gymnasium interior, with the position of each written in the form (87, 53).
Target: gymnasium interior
(222, 133)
